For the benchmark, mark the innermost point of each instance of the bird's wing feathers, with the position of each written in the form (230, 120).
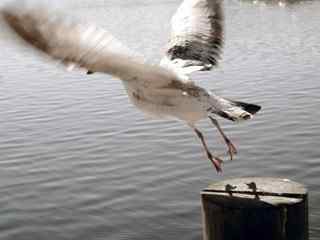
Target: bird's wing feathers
(80, 44)
(196, 36)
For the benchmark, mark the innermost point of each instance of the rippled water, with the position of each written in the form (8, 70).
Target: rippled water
(78, 161)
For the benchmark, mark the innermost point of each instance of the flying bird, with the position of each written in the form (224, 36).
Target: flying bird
(164, 90)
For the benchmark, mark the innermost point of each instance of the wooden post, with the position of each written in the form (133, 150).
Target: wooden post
(255, 209)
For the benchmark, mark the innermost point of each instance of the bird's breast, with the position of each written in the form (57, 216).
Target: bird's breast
(162, 103)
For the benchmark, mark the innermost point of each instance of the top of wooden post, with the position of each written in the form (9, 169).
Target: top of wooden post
(274, 191)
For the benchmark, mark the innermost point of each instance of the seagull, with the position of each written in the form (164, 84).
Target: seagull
(164, 90)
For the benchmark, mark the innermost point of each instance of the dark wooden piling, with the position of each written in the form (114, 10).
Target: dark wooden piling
(255, 209)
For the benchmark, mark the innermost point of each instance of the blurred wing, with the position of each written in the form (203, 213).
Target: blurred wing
(78, 44)
(196, 36)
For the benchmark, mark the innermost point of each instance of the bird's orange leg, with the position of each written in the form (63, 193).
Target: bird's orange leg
(216, 161)
(231, 148)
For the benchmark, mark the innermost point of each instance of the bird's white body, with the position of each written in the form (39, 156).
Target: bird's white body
(167, 102)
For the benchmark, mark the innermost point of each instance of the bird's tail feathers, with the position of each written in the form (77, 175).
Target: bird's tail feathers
(237, 111)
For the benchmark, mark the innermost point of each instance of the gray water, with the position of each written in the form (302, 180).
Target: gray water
(78, 161)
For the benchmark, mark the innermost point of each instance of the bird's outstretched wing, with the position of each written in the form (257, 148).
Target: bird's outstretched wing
(79, 44)
(196, 36)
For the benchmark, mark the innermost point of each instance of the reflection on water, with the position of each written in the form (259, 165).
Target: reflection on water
(78, 161)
